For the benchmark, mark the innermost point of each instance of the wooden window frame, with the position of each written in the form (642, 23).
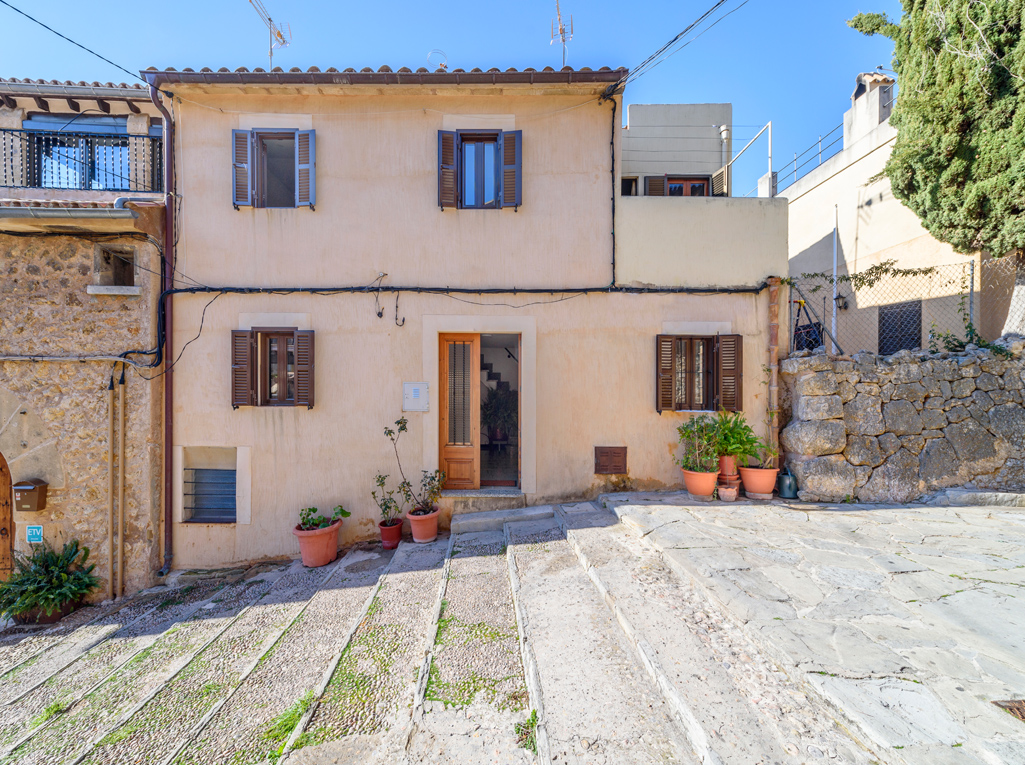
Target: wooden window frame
(260, 166)
(713, 372)
(249, 167)
(263, 337)
(690, 179)
(480, 138)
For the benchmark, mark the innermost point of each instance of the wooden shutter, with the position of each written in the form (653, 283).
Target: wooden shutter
(304, 368)
(721, 182)
(241, 178)
(448, 167)
(610, 460)
(510, 150)
(243, 368)
(305, 168)
(665, 362)
(655, 186)
(729, 371)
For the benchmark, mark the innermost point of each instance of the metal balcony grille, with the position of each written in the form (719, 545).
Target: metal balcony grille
(93, 161)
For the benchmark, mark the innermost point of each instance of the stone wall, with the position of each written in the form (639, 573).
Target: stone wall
(896, 428)
(54, 415)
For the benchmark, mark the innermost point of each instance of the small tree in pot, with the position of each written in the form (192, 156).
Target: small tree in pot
(318, 535)
(423, 518)
(698, 457)
(46, 585)
(391, 512)
(761, 479)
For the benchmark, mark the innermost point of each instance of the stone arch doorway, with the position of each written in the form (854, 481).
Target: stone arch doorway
(6, 521)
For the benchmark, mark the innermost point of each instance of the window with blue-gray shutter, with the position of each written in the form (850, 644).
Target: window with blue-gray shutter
(480, 169)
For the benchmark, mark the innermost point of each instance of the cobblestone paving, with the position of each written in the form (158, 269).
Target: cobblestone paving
(71, 731)
(908, 621)
(475, 692)
(371, 690)
(18, 643)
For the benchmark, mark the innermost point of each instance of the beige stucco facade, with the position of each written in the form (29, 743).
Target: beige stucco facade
(586, 359)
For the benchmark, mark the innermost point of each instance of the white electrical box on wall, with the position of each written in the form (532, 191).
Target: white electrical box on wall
(414, 397)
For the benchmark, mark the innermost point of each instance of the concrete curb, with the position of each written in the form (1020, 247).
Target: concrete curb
(530, 671)
(695, 734)
(495, 520)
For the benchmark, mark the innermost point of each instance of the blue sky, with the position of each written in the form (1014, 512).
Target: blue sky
(789, 61)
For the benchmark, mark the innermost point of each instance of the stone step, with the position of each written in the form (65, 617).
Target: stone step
(72, 733)
(255, 718)
(19, 644)
(475, 693)
(364, 711)
(495, 520)
(598, 705)
(712, 686)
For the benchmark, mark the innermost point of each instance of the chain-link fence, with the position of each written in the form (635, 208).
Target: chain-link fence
(887, 308)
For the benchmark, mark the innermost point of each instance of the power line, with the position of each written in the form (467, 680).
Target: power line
(63, 37)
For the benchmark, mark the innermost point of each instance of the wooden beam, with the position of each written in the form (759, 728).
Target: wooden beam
(103, 106)
(73, 105)
(132, 107)
(41, 103)
(9, 102)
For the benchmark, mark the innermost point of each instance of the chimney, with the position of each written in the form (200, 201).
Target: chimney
(871, 105)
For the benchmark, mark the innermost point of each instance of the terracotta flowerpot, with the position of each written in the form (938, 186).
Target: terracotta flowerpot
(318, 547)
(728, 494)
(758, 480)
(391, 535)
(425, 527)
(39, 616)
(728, 465)
(699, 484)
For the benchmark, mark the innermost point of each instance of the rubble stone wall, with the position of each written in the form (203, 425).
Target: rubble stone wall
(896, 428)
(54, 415)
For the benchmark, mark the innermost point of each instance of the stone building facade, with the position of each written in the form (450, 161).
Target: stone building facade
(896, 428)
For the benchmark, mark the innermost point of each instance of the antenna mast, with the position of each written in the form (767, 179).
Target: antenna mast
(561, 33)
(280, 34)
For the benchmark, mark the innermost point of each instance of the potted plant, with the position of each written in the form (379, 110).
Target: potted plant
(423, 518)
(761, 479)
(698, 458)
(498, 413)
(318, 535)
(46, 586)
(734, 440)
(391, 513)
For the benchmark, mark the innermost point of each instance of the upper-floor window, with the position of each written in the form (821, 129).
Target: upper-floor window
(274, 168)
(677, 186)
(480, 169)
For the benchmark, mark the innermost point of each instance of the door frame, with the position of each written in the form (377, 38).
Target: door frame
(524, 326)
(6, 521)
(461, 453)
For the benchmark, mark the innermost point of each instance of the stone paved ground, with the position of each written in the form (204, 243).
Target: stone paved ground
(908, 621)
(651, 630)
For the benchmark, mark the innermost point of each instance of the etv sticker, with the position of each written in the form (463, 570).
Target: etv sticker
(34, 534)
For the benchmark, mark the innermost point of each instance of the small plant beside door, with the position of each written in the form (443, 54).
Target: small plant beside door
(47, 585)
(423, 518)
(391, 511)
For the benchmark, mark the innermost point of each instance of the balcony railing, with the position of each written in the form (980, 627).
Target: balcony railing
(45, 159)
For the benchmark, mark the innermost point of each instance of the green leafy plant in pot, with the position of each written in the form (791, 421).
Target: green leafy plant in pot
(391, 512)
(698, 457)
(47, 585)
(423, 518)
(318, 535)
(499, 413)
(761, 478)
(734, 440)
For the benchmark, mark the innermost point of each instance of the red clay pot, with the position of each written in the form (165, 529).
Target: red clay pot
(699, 484)
(391, 535)
(759, 480)
(425, 527)
(318, 547)
(728, 465)
(39, 616)
(728, 494)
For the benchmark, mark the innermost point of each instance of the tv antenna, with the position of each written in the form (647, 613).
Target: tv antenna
(437, 59)
(280, 34)
(561, 33)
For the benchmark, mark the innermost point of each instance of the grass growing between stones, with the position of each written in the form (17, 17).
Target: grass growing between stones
(52, 709)
(526, 733)
(461, 693)
(281, 727)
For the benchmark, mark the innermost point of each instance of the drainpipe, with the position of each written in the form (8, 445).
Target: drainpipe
(121, 485)
(111, 523)
(169, 186)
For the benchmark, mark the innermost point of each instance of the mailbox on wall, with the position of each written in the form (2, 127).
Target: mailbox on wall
(30, 495)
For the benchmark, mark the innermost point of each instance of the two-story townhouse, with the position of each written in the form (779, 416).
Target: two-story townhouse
(452, 247)
(81, 235)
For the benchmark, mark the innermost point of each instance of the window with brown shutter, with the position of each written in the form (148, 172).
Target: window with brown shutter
(698, 373)
(272, 367)
(274, 168)
(655, 186)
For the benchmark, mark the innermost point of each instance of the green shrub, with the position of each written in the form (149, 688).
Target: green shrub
(734, 437)
(698, 441)
(47, 580)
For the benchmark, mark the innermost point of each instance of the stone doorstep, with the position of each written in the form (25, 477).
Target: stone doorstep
(495, 520)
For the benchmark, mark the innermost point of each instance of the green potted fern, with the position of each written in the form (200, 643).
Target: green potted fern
(734, 440)
(47, 585)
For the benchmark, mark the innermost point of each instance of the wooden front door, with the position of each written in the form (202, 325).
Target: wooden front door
(6, 522)
(459, 411)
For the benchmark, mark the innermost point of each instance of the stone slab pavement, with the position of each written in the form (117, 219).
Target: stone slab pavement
(908, 621)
